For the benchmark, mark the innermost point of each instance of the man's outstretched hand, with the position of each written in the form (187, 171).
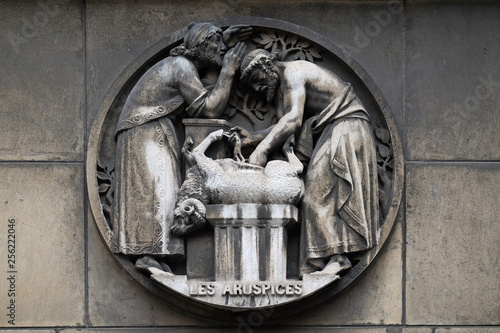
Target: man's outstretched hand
(233, 58)
(235, 34)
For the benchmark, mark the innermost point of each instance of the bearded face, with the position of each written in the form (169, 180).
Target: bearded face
(264, 81)
(272, 83)
(212, 49)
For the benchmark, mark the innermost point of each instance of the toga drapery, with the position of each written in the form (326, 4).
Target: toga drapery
(340, 206)
(147, 166)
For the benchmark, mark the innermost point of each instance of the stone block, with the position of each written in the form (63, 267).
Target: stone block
(417, 330)
(453, 81)
(468, 330)
(28, 331)
(374, 298)
(200, 255)
(46, 243)
(244, 327)
(116, 299)
(453, 242)
(42, 86)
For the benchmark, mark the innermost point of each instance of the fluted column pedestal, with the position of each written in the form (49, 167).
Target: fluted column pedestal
(251, 240)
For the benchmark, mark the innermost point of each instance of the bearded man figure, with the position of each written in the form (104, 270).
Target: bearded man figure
(339, 211)
(148, 148)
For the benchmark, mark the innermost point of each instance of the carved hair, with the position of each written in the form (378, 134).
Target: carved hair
(181, 50)
(198, 32)
(258, 58)
(196, 35)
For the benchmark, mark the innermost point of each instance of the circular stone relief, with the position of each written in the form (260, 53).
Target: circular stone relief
(181, 192)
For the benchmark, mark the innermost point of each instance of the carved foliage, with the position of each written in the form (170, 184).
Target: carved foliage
(253, 107)
(290, 46)
(385, 165)
(106, 187)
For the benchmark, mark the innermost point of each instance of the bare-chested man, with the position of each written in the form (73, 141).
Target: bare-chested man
(340, 207)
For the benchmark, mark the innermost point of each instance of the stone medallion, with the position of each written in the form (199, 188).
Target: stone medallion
(245, 165)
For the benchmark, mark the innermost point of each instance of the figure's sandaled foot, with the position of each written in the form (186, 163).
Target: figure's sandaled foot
(144, 264)
(149, 265)
(338, 265)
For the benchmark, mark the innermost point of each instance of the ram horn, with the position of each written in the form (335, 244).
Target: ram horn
(197, 204)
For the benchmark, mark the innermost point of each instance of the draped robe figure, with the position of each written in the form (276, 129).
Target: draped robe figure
(340, 212)
(148, 145)
(148, 165)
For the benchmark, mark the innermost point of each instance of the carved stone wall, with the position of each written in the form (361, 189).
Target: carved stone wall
(435, 63)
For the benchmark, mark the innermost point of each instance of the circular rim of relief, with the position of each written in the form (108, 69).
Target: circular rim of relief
(219, 312)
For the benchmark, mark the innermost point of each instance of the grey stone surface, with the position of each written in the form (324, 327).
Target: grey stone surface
(46, 202)
(453, 81)
(374, 298)
(453, 238)
(29, 331)
(417, 330)
(119, 31)
(468, 330)
(116, 299)
(244, 327)
(42, 85)
(452, 224)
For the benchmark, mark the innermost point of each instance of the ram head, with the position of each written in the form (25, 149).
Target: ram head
(189, 215)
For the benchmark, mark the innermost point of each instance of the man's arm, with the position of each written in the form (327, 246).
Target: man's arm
(210, 104)
(294, 96)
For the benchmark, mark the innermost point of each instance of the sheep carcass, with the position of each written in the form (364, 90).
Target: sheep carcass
(225, 181)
